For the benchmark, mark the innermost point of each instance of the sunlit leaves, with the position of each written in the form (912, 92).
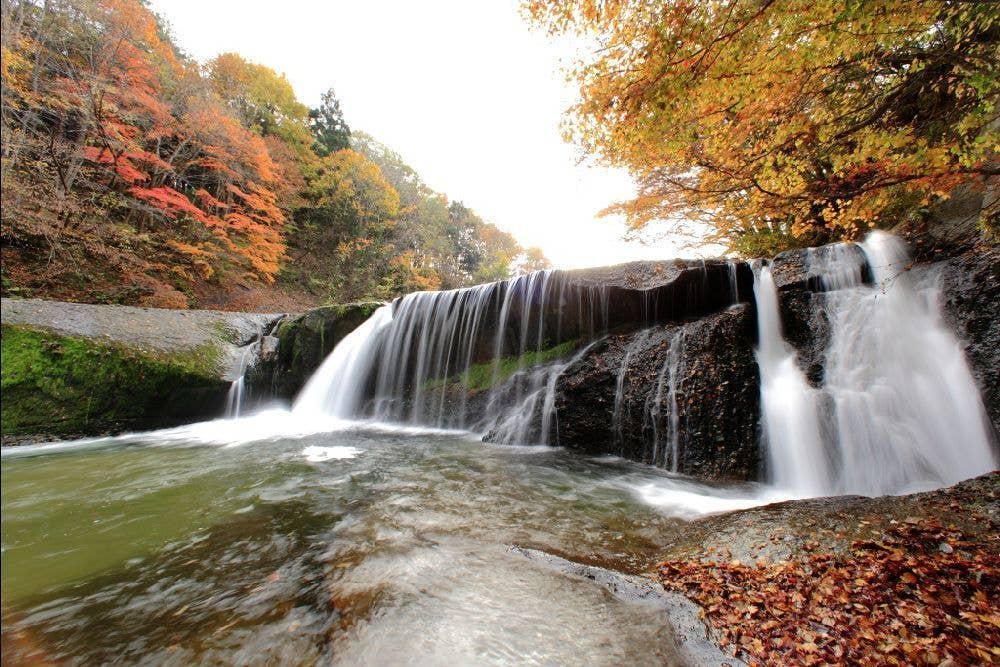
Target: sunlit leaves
(791, 119)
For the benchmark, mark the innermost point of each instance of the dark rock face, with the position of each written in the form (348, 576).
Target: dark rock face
(713, 384)
(297, 347)
(805, 324)
(802, 269)
(971, 298)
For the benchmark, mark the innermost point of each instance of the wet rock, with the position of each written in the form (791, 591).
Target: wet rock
(805, 325)
(716, 395)
(802, 269)
(782, 530)
(300, 345)
(970, 285)
(693, 642)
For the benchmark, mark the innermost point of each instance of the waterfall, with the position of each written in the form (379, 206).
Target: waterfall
(898, 409)
(906, 411)
(668, 380)
(617, 419)
(237, 389)
(482, 358)
(337, 386)
(533, 418)
(790, 433)
(234, 398)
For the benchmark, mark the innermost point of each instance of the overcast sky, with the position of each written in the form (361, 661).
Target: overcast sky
(462, 90)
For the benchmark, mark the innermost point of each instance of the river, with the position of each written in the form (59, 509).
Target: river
(226, 542)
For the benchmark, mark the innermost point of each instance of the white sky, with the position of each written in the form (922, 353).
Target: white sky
(461, 89)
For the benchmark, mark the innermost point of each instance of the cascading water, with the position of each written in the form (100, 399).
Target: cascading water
(671, 372)
(907, 414)
(898, 409)
(617, 420)
(237, 389)
(337, 386)
(425, 358)
(234, 399)
(789, 412)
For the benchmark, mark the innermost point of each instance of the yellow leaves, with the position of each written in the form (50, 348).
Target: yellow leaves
(790, 111)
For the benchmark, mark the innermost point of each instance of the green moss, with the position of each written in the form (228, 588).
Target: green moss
(67, 385)
(481, 376)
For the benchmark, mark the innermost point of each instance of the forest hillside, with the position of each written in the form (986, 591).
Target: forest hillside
(134, 175)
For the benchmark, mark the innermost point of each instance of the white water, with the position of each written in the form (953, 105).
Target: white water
(906, 411)
(898, 411)
(337, 386)
(412, 362)
(234, 399)
(617, 419)
(518, 424)
(789, 413)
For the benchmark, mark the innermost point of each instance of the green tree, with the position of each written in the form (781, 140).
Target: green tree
(329, 129)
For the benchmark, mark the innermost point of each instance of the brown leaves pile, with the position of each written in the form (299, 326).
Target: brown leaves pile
(922, 595)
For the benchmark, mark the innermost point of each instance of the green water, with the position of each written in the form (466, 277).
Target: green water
(167, 551)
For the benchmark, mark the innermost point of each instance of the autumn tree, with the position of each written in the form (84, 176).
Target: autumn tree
(441, 236)
(349, 222)
(786, 122)
(132, 174)
(106, 129)
(531, 259)
(261, 99)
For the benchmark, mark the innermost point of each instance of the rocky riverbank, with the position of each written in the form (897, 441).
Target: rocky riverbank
(901, 580)
(77, 369)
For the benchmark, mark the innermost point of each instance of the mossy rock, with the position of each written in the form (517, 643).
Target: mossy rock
(61, 385)
(486, 375)
(304, 342)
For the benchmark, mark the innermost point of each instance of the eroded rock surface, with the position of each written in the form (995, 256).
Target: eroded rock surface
(79, 369)
(703, 398)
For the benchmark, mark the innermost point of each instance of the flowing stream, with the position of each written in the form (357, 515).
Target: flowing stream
(236, 543)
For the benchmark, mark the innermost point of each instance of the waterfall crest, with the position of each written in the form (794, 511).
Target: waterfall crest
(488, 358)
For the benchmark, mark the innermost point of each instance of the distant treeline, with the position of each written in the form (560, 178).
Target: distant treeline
(133, 174)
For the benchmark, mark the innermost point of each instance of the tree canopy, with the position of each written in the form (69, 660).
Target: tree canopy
(786, 122)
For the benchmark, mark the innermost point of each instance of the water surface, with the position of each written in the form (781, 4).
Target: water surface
(228, 542)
